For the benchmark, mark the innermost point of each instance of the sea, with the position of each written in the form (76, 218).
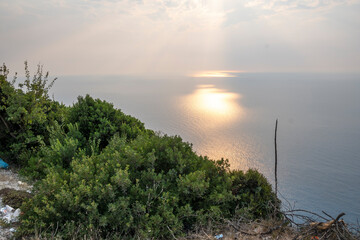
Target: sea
(318, 134)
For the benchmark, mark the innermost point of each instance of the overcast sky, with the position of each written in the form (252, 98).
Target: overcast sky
(180, 37)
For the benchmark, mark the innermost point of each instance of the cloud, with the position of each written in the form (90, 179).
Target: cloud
(179, 36)
(289, 5)
(110, 36)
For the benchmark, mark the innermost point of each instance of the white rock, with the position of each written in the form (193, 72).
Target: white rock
(9, 215)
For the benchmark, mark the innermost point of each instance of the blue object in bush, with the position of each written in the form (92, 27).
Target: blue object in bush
(3, 164)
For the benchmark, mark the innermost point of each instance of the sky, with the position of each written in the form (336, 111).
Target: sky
(180, 37)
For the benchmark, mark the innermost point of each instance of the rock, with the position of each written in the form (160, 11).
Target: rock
(9, 215)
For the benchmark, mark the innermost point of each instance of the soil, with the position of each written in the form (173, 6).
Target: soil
(258, 230)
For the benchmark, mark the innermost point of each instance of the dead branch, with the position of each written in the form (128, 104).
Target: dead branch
(326, 225)
(275, 143)
(291, 212)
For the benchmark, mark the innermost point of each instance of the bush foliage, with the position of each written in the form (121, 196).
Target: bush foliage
(100, 171)
(25, 114)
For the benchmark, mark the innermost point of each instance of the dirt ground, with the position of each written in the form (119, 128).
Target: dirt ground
(259, 230)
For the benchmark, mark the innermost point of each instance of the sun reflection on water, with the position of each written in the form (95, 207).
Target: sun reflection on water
(215, 107)
(212, 115)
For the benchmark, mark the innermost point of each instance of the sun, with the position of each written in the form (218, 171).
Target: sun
(216, 74)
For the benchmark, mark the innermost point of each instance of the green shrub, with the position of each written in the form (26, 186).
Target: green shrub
(129, 189)
(25, 114)
(91, 124)
(255, 192)
(99, 120)
(63, 146)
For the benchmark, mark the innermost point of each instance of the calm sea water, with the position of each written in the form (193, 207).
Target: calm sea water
(234, 118)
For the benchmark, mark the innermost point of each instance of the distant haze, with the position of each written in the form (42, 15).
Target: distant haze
(180, 37)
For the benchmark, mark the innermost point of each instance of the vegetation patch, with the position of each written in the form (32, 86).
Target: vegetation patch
(14, 198)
